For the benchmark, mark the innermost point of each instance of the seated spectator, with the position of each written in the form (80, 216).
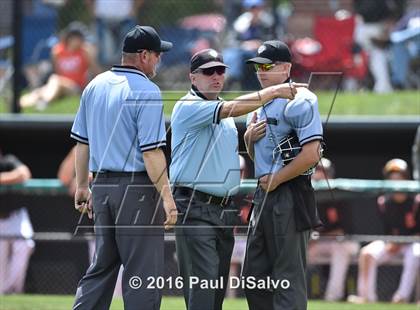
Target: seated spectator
(373, 24)
(249, 30)
(400, 214)
(16, 244)
(72, 59)
(405, 40)
(338, 252)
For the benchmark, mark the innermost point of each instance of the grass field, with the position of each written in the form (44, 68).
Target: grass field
(55, 302)
(360, 103)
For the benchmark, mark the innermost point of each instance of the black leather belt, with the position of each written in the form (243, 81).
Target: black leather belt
(203, 197)
(118, 174)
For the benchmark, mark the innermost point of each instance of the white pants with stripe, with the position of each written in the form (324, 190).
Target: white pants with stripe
(16, 248)
(339, 255)
(378, 253)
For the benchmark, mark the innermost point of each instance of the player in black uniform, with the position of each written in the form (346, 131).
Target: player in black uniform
(400, 215)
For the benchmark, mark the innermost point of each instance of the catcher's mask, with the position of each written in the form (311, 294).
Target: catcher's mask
(289, 147)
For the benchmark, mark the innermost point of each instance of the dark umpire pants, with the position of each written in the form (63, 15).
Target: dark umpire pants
(275, 249)
(121, 203)
(204, 244)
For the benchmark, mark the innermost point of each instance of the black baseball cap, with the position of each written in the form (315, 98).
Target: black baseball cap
(144, 38)
(270, 52)
(206, 59)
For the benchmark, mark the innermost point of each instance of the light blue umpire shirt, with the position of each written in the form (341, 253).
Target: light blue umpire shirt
(120, 117)
(204, 148)
(283, 116)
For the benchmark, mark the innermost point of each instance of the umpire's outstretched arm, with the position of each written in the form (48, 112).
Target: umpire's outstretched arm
(250, 102)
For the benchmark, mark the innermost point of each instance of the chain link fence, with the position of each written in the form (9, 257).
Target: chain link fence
(54, 257)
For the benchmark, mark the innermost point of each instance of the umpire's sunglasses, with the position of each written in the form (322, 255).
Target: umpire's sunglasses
(264, 67)
(210, 71)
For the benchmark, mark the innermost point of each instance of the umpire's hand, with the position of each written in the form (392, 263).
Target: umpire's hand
(170, 212)
(288, 90)
(255, 130)
(82, 201)
(269, 182)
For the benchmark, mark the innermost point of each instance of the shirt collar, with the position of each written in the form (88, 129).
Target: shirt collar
(128, 69)
(195, 92)
(267, 103)
(271, 101)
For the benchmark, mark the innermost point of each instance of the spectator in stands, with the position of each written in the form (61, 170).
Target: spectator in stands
(249, 31)
(400, 213)
(113, 18)
(67, 175)
(405, 39)
(72, 58)
(374, 21)
(339, 253)
(16, 244)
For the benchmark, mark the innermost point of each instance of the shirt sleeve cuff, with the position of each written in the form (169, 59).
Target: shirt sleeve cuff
(152, 146)
(79, 138)
(310, 138)
(216, 113)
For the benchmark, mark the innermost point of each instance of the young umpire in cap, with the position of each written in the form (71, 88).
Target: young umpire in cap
(284, 209)
(205, 174)
(120, 130)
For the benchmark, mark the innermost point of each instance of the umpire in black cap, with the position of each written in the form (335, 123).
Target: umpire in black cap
(120, 133)
(284, 152)
(205, 175)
